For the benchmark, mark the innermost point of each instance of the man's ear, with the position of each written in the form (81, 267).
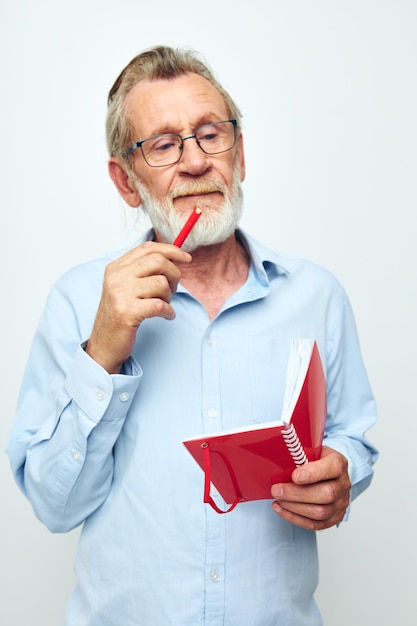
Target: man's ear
(124, 185)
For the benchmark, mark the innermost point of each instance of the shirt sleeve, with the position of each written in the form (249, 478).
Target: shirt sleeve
(351, 405)
(70, 413)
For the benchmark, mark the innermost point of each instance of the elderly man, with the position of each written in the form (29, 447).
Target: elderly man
(138, 351)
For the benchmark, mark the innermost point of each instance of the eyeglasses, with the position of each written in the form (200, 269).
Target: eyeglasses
(167, 149)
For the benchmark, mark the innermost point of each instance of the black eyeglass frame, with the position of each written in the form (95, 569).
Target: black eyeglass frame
(138, 144)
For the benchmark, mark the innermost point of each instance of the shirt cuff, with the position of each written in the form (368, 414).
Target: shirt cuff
(99, 395)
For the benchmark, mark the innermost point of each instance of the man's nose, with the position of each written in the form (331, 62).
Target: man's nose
(193, 159)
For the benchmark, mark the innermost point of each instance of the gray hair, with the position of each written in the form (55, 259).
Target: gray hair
(153, 64)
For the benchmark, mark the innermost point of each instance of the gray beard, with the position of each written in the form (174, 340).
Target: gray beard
(215, 225)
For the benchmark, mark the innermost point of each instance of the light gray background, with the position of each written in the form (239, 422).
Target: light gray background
(328, 92)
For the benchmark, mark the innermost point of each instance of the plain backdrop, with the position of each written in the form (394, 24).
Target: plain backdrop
(328, 93)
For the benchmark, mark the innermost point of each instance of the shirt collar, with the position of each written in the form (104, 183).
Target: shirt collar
(267, 264)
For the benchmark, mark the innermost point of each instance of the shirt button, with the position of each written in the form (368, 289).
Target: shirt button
(209, 341)
(76, 455)
(214, 576)
(124, 396)
(100, 395)
(212, 413)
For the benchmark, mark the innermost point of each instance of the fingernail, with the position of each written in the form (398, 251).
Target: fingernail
(302, 475)
(277, 492)
(276, 507)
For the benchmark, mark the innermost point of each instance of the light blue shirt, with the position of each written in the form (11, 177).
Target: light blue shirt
(106, 451)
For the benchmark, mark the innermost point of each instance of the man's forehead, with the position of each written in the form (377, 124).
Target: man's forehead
(162, 103)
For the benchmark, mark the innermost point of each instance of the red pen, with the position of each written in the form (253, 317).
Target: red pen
(185, 230)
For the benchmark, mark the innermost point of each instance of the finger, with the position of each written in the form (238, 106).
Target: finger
(330, 466)
(317, 494)
(153, 307)
(156, 265)
(154, 286)
(166, 250)
(321, 493)
(153, 264)
(142, 299)
(310, 518)
(153, 277)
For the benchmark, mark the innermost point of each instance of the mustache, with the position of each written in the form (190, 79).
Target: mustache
(194, 187)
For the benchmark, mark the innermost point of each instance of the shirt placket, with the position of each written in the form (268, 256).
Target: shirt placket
(215, 530)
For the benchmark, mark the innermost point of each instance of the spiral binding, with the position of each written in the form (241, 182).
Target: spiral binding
(294, 446)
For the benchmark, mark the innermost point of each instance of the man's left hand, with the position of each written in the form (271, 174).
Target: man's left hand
(319, 494)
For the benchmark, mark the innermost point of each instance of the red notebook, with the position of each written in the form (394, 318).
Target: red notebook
(244, 463)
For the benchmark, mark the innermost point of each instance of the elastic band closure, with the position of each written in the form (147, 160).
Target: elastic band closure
(207, 483)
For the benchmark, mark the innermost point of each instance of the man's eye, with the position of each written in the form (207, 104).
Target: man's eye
(209, 137)
(163, 146)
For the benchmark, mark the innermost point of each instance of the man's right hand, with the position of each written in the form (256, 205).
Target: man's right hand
(136, 286)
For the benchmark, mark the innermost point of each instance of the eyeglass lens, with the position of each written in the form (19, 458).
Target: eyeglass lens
(166, 149)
